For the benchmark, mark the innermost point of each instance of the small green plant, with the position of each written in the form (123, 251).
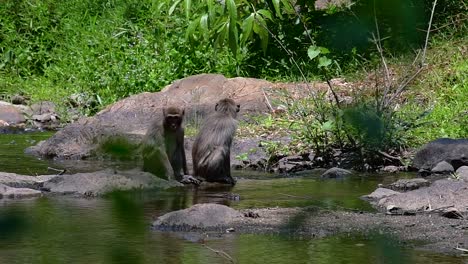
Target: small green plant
(242, 156)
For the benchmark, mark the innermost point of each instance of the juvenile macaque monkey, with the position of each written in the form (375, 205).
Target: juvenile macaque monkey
(212, 147)
(163, 146)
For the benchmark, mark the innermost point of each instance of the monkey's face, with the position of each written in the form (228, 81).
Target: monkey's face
(173, 122)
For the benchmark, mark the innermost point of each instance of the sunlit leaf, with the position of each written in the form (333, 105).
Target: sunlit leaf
(204, 25)
(323, 50)
(247, 27)
(173, 7)
(265, 13)
(313, 52)
(210, 5)
(287, 6)
(276, 5)
(324, 62)
(232, 10)
(260, 29)
(188, 7)
(233, 38)
(190, 33)
(222, 35)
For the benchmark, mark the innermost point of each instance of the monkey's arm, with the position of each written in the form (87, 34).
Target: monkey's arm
(184, 159)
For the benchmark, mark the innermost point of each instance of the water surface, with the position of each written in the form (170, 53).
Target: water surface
(116, 228)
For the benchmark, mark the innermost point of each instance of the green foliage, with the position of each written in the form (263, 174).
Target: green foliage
(117, 147)
(441, 95)
(51, 49)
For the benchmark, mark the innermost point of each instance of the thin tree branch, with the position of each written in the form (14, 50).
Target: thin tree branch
(428, 32)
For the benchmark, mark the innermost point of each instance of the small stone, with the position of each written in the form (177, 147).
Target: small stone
(452, 213)
(443, 167)
(462, 173)
(378, 194)
(391, 169)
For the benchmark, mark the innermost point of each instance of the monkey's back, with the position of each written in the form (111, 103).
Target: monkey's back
(211, 149)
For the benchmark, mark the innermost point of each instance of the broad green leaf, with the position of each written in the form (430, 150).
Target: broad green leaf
(204, 25)
(188, 7)
(210, 5)
(259, 28)
(324, 50)
(190, 33)
(173, 7)
(313, 52)
(265, 13)
(222, 35)
(247, 26)
(324, 62)
(288, 7)
(232, 10)
(276, 5)
(233, 40)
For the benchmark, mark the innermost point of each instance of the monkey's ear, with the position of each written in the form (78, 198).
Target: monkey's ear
(183, 111)
(238, 108)
(216, 107)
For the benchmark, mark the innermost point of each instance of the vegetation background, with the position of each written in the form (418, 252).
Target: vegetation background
(106, 50)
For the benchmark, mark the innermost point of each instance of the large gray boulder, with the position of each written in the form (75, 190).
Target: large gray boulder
(199, 216)
(453, 151)
(441, 194)
(105, 181)
(86, 184)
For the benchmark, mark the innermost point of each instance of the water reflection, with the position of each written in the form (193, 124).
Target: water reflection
(116, 228)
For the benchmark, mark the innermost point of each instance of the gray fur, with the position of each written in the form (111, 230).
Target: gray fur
(163, 146)
(212, 147)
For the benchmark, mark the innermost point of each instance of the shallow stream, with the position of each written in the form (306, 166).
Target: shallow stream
(116, 228)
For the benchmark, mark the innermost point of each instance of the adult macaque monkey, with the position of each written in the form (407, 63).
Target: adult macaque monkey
(212, 147)
(163, 147)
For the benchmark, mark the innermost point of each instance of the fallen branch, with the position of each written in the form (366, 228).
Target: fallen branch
(60, 172)
(220, 253)
(462, 249)
(267, 101)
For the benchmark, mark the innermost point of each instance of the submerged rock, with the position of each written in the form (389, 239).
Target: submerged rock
(335, 173)
(199, 216)
(101, 182)
(403, 185)
(23, 181)
(89, 183)
(7, 192)
(378, 194)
